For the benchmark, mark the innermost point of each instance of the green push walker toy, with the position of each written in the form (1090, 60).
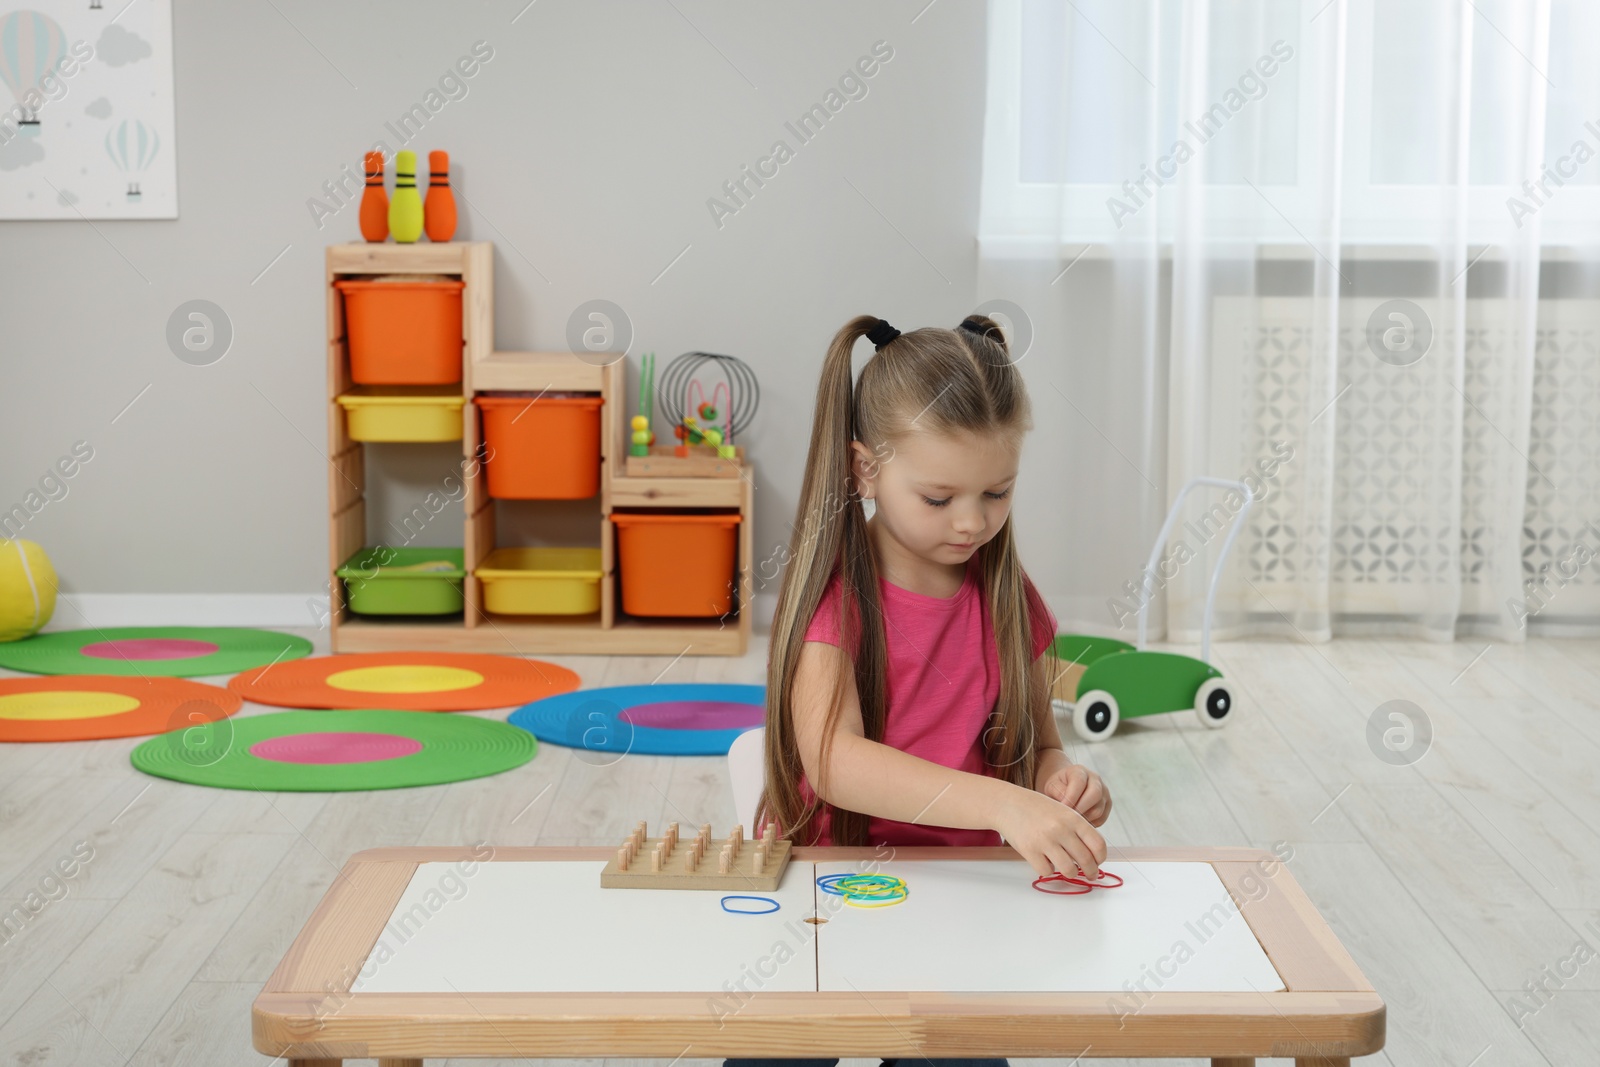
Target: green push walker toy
(1105, 680)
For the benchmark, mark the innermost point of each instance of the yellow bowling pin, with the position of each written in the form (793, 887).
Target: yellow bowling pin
(405, 207)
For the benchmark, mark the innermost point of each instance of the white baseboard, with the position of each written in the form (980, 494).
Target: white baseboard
(77, 611)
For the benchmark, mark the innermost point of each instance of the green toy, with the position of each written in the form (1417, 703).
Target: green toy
(1106, 680)
(643, 436)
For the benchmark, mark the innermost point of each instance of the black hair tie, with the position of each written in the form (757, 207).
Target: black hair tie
(969, 325)
(882, 334)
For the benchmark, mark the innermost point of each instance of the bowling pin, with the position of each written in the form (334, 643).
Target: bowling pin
(374, 201)
(405, 207)
(439, 211)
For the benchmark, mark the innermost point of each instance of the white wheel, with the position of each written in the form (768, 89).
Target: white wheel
(1095, 715)
(1214, 703)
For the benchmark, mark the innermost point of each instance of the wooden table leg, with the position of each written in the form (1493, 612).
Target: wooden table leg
(316, 1063)
(1233, 1061)
(1322, 1061)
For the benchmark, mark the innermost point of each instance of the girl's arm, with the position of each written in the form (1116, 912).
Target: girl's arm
(1054, 774)
(880, 780)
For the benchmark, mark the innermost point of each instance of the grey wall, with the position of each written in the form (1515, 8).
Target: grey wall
(585, 149)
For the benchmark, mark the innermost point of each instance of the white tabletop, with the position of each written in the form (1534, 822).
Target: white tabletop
(980, 926)
(548, 926)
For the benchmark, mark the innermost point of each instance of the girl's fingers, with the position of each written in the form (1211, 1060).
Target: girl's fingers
(1089, 799)
(1094, 843)
(1043, 863)
(1078, 853)
(1071, 787)
(1062, 860)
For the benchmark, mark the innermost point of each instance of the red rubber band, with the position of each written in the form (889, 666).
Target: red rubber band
(1039, 884)
(1057, 876)
(1101, 884)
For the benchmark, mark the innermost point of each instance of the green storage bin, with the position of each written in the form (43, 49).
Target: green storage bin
(404, 581)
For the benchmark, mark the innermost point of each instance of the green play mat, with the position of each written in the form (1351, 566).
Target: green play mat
(336, 751)
(152, 651)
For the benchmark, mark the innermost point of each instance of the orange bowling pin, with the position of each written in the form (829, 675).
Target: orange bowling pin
(374, 201)
(439, 210)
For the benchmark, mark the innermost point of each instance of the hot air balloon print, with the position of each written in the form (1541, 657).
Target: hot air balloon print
(132, 146)
(31, 44)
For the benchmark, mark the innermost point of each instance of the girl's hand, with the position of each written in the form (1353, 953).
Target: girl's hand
(1051, 836)
(1078, 788)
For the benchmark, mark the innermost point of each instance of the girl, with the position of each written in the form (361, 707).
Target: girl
(920, 713)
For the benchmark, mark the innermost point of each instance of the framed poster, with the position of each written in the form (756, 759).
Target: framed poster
(86, 116)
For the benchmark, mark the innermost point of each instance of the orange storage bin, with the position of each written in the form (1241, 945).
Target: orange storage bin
(403, 332)
(676, 564)
(542, 448)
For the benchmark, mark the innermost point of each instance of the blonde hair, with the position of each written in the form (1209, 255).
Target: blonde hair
(948, 381)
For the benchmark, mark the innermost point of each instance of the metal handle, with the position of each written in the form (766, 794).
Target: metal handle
(1216, 573)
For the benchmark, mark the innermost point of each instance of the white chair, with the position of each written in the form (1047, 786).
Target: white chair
(747, 770)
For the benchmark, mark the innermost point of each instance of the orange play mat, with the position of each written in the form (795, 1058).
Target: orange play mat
(406, 681)
(82, 707)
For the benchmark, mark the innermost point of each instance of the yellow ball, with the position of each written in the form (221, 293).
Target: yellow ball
(27, 589)
(641, 423)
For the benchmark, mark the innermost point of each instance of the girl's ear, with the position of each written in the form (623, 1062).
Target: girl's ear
(864, 465)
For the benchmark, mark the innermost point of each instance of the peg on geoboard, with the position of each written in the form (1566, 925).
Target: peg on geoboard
(676, 861)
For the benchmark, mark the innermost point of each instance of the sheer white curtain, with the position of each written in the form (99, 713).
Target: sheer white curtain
(1342, 251)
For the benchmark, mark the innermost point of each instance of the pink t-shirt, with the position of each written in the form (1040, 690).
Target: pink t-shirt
(942, 683)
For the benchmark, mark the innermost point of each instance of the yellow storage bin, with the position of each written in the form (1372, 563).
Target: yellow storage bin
(403, 413)
(541, 581)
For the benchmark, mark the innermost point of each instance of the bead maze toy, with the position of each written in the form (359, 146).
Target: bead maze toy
(645, 862)
(704, 449)
(1103, 680)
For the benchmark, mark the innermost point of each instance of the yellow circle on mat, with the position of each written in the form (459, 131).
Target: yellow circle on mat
(405, 678)
(56, 704)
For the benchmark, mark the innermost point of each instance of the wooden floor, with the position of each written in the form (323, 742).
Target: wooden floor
(1453, 881)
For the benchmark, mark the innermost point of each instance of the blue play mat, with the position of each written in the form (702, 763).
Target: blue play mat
(653, 720)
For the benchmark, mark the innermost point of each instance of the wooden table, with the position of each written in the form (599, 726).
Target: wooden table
(545, 976)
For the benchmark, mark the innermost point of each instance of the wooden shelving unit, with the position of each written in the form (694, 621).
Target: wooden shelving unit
(607, 632)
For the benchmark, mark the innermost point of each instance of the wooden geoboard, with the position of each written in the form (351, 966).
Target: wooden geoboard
(411, 955)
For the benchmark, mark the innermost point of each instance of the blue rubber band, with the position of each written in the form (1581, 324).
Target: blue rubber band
(862, 884)
(742, 911)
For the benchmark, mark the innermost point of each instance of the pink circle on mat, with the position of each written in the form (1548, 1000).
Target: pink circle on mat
(695, 715)
(149, 648)
(335, 747)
